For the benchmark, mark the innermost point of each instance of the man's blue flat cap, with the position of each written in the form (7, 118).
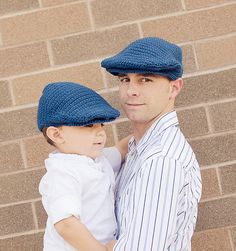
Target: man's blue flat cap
(72, 104)
(147, 55)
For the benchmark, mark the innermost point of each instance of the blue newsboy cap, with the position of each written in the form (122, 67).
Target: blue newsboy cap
(72, 104)
(147, 55)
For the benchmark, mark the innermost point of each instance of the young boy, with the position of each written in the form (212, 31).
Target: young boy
(77, 190)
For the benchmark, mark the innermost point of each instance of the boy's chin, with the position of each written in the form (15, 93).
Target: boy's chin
(96, 155)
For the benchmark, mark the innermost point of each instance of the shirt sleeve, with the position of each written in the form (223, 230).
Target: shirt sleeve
(151, 225)
(61, 195)
(113, 155)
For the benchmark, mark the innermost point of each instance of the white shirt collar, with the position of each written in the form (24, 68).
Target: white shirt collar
(161, 124)
(85, 160)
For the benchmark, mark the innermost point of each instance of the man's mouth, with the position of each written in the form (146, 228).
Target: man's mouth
(134, 104)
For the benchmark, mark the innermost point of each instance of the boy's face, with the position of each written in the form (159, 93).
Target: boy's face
(84, 140)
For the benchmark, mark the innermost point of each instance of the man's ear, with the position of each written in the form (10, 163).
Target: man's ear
(55, 134)
(176, 86)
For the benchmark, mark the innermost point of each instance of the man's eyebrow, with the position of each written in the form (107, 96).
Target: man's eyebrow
(122, 75)
(148, 75)
(140, 75)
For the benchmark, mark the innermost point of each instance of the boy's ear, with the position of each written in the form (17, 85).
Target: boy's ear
(176, 86)
(55, 134)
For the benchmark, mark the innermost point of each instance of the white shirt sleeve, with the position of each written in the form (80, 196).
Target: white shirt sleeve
(61, 195)
(113, 156)
(151, 226)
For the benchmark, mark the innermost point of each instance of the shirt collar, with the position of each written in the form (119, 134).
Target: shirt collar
(160, 125)
(82, 159)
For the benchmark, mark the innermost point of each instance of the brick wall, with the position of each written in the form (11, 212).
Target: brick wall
(52, 40)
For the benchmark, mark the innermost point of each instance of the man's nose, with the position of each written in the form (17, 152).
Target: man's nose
(132, 89)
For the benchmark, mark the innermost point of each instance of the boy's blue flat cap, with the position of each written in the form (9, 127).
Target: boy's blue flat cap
(72, 104)
(147, 55)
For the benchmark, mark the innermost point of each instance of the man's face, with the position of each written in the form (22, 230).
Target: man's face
(145, 97)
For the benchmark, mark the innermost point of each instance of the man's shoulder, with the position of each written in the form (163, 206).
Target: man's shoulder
(171, 145)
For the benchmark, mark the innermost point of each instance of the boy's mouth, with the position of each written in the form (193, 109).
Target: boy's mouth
(98, 143)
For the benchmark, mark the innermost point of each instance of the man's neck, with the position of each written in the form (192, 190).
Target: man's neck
(139, 128)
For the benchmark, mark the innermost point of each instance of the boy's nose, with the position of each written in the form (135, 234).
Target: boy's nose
(100, 130)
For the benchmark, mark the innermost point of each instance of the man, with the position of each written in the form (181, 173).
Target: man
(159, 186)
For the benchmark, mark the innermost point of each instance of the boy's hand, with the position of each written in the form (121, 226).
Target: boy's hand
(110, 245)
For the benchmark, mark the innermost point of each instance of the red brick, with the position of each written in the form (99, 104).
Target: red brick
(228, 178)
(21, 186)
(193, 122)
(123, 129)
(194, 4)
(29, 89)
(210, 184)
(45, 24)
(10, 158)
(233, 234)
(5, 100)
(193, 26)
(32, 242)
(223, 116)
(57, 2)
(216, 53)
(113, 13)
(217, 213)
(23, 59)
(215, 149)
(211, 240)
(189, 59)
(18, 124)
(16, 219)
(93, 45)
(41, 214)
(207, 88)
(37, 150)
(7, 6)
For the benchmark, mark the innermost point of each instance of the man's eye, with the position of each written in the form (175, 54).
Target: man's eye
(124, 80)
(102, 124)
(146, 80)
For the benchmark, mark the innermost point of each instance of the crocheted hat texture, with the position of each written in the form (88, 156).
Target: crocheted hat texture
(72, 104)
(147, 55)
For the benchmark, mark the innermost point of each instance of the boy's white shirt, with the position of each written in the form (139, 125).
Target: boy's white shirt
(80, 186)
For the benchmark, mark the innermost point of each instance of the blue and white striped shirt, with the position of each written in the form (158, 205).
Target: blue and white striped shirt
(158, 190)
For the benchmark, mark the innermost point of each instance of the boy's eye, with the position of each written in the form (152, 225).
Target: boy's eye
(102, 124)
(91, 125)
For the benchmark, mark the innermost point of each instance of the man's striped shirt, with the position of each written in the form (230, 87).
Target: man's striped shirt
(158, 190)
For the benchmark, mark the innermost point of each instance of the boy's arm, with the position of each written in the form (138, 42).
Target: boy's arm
(116, 154)
(122, 146)
(78, 236)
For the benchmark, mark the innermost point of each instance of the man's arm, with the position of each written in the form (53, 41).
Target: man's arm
(78, 236)
(155, 202)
